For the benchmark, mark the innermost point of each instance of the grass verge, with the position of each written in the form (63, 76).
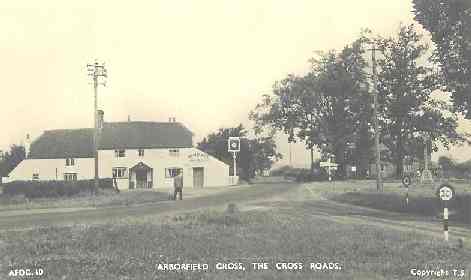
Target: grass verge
(131, 248)
(104, 198)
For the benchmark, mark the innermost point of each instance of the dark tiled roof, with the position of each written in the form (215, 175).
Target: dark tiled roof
(78, 143)
(134, 135)
(63, 143)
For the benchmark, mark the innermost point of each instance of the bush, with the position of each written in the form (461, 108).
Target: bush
(318, 174)
(426, 206)
(36, 189)
(280, 171)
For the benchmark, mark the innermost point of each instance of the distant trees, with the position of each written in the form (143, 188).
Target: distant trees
(330, 108)
(449, 22)
(11, 159)
(255, 154)
(446, 164)
(406, 105)
(327, 109)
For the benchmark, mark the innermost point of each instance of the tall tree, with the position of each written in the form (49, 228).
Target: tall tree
(406, 106)
(345, 109)
(292, 109)
(326, 108)
(449, 22)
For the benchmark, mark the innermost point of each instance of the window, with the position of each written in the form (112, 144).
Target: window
(35, 176)
(119, 172)
(141, 152)
(174, 152)
(70, 176)
(172, 172)
(69, 162)
(119, 153)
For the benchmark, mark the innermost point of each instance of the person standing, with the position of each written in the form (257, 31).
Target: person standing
(178, 185)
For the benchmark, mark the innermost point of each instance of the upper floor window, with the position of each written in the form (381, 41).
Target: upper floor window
(70, 176)
(69, 162)
(120, 153)
(119, 172)
(141, 152)
(174, 152)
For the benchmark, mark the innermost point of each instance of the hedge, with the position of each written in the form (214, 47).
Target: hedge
(36, 189)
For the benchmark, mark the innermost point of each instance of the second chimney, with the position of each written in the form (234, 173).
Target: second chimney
(27, 145)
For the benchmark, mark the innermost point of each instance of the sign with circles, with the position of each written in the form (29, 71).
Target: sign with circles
(233, 144)
(445, 192)
(406, 181)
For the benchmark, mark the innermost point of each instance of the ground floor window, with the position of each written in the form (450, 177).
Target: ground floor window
(70, 176)
(119, 172)
(172, 172)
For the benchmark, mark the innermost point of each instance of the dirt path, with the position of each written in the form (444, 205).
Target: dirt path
(243, 194)
(253, 197)
(307, 202)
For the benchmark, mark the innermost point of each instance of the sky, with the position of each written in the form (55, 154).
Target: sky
(206, 62)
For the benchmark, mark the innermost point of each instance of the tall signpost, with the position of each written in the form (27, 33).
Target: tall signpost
(406, 181)
(233, 146)
(95, 71)
(445, 193)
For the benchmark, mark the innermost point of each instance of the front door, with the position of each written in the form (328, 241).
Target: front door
(141, 178)
(198, 177)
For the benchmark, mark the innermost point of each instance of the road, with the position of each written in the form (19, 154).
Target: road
(273, 195)
(242, 194)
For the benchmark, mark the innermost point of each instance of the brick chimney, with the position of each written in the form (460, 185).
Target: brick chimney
(27, 145)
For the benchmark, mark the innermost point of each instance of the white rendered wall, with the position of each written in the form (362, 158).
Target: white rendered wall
(216, 173)
(52, 169)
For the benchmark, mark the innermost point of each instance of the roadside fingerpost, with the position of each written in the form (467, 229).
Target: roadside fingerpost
(330, 166)
(406, 182)
(445, 192)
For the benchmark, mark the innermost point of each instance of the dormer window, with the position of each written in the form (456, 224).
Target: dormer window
(69, 162)
(120, 153)
(141, 152)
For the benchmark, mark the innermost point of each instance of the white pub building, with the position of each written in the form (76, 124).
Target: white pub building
(138, 154)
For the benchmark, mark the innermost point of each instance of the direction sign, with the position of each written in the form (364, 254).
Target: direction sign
(233, 144)
(328, 164)
(445, 192)
(406, 181)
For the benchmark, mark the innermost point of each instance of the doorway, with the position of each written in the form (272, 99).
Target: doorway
(140, 176)
(198, 177)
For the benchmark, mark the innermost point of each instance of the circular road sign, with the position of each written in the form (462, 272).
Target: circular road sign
(445, 192)
(406, 181)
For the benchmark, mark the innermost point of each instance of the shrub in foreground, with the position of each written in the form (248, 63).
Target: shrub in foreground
(37, 189)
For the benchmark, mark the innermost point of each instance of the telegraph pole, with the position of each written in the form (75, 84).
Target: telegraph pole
(96, 70)
(379, 181)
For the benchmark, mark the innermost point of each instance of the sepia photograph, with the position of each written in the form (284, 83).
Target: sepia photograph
(249, 139)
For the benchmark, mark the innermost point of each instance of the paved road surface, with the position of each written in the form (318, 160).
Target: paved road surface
(243, 194)
(277, 195)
